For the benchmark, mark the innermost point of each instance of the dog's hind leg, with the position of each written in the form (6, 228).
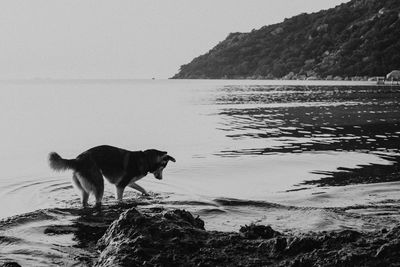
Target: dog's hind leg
(90, 181)
(85, 195)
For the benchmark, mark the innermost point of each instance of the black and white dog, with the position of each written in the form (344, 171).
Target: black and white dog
(119, 166)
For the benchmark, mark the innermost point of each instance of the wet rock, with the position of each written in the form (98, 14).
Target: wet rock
(389, 249)
(347, 236)
(335, 240)
(183, 217)
(139, 238)
(393, 233)
(253, 231)
(10, 264)
(273, 247)
(303, 261)
(303, 244)
(177, 238)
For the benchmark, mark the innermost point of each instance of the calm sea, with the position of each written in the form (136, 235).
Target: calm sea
(246, 151)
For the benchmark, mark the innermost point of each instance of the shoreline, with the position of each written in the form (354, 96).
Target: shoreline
(321, 81)
(125, 235)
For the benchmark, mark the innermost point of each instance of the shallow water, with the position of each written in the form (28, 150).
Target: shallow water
(299, 156)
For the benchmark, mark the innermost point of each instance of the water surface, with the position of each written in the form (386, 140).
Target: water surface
(299, 156)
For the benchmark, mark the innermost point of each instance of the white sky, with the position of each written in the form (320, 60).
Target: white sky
(125, 38)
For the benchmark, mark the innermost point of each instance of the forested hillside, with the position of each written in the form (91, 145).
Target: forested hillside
(357, 38)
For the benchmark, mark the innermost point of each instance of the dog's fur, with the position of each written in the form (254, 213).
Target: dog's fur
(119, 166)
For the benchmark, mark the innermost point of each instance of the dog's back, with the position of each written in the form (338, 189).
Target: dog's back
(114, 162)
(109, 159)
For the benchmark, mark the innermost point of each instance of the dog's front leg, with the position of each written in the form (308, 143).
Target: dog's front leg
(85, 197)
(119, 192)
(138, 188)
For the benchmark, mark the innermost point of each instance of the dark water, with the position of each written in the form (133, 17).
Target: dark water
(313, 118)
(300, 157)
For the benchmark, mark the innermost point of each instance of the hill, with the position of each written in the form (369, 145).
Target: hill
(357, 38)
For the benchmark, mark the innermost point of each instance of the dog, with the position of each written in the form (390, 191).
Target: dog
(119, 166)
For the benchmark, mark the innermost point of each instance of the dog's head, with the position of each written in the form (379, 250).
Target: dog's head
(157, 160)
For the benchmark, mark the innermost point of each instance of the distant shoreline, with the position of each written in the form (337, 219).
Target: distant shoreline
(248, 81)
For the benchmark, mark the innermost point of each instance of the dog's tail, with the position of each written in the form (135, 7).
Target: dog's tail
(57, 163)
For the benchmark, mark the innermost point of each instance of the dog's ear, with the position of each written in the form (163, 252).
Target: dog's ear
(168, 157)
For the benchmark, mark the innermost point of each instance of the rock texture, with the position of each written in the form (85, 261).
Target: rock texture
(176, 238)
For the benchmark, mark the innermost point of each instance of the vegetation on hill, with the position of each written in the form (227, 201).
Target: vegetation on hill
(357, 38)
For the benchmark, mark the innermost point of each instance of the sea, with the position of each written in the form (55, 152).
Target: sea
(297, 155)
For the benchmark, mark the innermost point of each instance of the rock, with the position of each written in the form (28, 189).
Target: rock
(138, 238)
(345, 236)
(302, 261)
(177, 238)
(253, 231)
(10, 264)
(389, 249)
(393, 233)
(185, 217)
(303, 244)
(273, 247)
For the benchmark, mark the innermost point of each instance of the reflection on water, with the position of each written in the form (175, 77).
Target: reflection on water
(303, 119)
(363, 174)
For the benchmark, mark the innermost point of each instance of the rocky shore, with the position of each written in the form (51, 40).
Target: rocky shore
(127, 236)
(176, 238)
